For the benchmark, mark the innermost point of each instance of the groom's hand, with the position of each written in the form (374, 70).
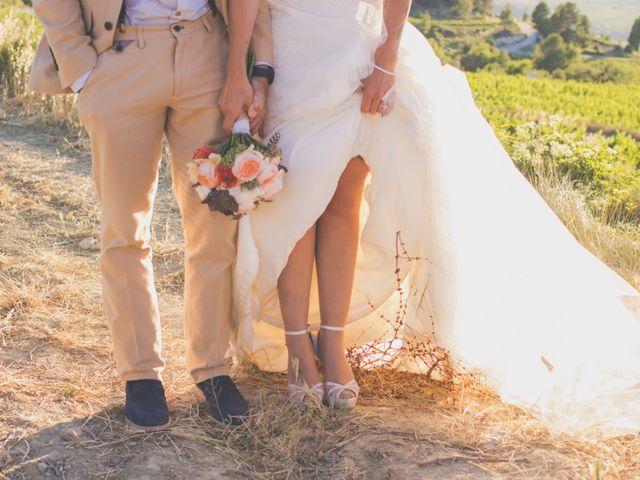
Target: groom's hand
(237, 94)
(235, 99)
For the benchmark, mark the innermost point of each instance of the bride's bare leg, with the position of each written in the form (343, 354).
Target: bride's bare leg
(336, 249)
(294, 287)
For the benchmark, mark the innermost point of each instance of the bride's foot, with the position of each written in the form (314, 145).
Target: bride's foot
(303, 375)
(341, 389)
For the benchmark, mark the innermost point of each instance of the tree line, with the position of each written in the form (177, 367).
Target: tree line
(564, 33)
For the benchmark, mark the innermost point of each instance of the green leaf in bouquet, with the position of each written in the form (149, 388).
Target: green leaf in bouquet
(229, 156)
(252, 185)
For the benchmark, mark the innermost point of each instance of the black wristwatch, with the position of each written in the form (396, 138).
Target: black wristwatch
(264, 71)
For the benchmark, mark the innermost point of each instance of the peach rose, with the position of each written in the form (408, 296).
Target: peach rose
(248, 165)
(207, 175)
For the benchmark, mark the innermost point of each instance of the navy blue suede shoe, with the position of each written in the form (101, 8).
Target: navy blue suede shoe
(146, 406)
(226, 403)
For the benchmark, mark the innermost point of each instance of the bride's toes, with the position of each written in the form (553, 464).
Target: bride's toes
(342, 396)
(303, 375)
(346, 394)
(341, 388)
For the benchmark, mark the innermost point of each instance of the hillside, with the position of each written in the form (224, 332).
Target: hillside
(588, 133)
(613, 18)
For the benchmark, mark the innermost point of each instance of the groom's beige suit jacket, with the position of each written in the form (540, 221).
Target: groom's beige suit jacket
(77, 31)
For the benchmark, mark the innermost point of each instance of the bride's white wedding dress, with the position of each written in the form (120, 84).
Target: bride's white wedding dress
(508, 288)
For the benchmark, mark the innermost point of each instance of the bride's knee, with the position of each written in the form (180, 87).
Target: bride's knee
(343, 205)
(348, 195)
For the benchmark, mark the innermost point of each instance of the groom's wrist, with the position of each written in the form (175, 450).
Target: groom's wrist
(237, 71)
(237, 60)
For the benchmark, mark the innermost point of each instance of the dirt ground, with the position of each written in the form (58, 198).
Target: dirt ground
(61, 405)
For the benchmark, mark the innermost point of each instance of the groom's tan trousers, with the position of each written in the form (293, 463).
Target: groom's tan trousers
(159, 81)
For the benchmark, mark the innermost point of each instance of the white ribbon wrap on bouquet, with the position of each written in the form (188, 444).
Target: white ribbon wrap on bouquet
(241, 125)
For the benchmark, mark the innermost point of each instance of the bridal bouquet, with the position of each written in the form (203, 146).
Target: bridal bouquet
(236, 176)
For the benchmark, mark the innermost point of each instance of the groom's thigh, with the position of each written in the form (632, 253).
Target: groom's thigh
(191, 125)
(193, 120)
(125, 116)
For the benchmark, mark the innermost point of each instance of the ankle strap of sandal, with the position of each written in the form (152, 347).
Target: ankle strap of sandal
(332, 329)
(298, 332)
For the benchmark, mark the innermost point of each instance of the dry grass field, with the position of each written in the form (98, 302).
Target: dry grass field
(61, 405)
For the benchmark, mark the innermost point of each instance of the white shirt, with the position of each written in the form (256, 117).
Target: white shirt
(163, 12)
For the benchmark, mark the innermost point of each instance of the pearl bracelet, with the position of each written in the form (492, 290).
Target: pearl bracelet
(383, 70)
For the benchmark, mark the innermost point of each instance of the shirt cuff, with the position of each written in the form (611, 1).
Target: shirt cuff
(81, 82)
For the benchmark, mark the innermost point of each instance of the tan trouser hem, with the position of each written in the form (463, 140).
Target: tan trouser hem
(141, 375)
(203, 374)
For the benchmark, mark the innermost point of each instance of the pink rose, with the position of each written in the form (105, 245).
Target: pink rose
(245, 199)
(274, 186)
(248, 165)
(245, 207)
(268, 174)
(207, 175)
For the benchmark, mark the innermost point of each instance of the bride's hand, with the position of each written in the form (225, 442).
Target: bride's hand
(378, 84)
(258, 108)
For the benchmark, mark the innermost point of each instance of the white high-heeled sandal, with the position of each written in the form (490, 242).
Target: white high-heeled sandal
(333, 394)
(297, 392)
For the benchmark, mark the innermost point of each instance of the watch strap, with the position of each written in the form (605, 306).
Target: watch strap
(264, 71)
